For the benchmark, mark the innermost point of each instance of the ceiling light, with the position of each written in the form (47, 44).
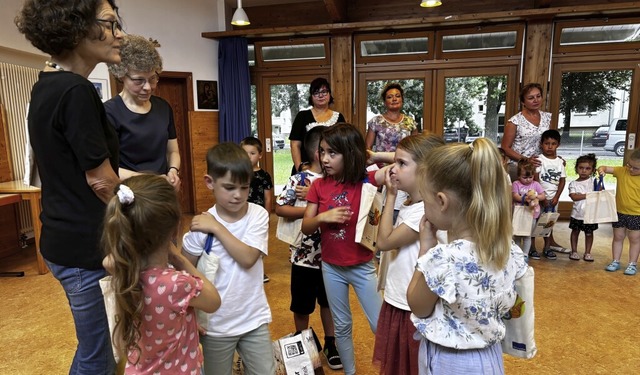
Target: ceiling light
(430, 3)
(240, 17)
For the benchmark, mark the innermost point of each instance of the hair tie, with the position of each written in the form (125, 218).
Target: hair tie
(125, 194)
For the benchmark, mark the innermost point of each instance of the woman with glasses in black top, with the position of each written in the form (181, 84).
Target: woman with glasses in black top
(76, 151)
(143, 121)
(318, 115)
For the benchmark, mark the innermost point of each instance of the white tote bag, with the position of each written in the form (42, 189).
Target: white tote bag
(519, 338)
(545, 224)
(367, 225)
(600, 207)
(522, 221)
(110, 308)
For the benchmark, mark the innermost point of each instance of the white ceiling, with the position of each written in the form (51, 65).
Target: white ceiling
(256, 3)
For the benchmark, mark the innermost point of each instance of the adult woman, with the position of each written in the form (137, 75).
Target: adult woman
(522, 132)
(77, 154)
(144, 122)
(319, 115)
(386, 130)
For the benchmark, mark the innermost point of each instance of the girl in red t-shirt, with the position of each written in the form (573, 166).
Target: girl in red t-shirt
(156, 287)
(332, 202)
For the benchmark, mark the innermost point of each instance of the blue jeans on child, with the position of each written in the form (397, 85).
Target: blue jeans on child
(94, 355)
(336, 282)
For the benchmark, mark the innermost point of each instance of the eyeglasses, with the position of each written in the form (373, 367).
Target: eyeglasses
(632, 168)
(115, 25)
(321, 93)
(153, 80)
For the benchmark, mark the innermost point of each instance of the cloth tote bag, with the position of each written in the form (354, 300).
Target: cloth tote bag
(290, 230)
(522, 221)
(369, 216)
(544, 225)
(600, 205)
(519, 338)
(110, 308)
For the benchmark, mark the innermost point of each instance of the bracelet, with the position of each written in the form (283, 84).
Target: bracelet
(177, 170)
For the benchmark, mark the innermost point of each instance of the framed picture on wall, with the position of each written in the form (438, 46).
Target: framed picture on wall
(102, 87)
(207, 94)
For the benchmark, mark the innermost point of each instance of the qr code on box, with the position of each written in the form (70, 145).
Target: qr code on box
(294, 349)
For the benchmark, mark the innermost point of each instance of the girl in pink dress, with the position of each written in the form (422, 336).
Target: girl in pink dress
(156, 288)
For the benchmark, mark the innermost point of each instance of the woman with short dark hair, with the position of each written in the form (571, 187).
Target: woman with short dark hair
(318, 115)
(384, 131)
(77, 155)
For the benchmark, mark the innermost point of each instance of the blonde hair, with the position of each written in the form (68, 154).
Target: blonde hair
(473, 174)
(133, 231)
(420, 146)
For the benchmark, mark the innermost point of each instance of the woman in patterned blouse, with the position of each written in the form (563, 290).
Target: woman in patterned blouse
(386, 130)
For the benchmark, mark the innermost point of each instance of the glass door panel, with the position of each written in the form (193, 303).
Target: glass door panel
(592, 118)
(474, 106)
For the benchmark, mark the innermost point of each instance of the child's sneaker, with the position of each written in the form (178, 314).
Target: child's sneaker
(631, 269)
(333, 358)
(613, 266)
(549, 254)
(533, 254)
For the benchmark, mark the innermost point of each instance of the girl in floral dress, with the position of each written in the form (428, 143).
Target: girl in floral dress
(156, 287)
(460, 291)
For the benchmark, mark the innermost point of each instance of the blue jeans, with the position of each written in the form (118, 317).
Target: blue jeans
(94, 355)
(336, 282)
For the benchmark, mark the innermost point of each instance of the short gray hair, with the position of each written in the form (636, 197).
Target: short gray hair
(137, 53)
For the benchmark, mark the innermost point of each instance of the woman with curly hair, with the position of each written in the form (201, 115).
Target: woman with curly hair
(144, 122)
(77, 155)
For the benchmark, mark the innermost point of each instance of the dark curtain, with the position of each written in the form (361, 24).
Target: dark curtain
(235, 90)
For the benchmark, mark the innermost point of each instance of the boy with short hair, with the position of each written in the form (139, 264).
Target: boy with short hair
(238, 241)
(261, 182)
(552, 176)
(307, 285)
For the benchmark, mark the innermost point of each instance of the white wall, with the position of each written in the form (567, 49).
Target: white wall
(177, 25)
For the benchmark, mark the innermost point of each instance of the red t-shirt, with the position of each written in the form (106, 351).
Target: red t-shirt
(338, 240)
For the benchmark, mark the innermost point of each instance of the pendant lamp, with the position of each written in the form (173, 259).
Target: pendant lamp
(240, 17)
(430, 3)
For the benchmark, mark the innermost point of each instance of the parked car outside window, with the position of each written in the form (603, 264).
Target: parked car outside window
(617, 136)
(600, 136)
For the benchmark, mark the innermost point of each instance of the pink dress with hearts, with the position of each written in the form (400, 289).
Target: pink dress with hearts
(169, 342)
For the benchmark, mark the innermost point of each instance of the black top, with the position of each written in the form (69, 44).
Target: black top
(70, 135)
(304, 122)
(260, 182)
(143, 136)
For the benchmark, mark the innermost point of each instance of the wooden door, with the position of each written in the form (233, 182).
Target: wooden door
(177, 89)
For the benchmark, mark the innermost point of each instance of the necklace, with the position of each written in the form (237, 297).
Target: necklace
(53, 65)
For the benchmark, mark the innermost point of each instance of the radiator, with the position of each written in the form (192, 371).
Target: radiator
(15, 92)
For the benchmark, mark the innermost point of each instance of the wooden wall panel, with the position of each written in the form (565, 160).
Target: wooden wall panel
(6, 173)
(342, 74)
(537, 54)
(204, 134)
(298, 14)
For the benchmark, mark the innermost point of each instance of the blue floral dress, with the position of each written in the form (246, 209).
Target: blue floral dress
(473, 298)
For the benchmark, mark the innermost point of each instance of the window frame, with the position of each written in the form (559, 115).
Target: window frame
(513, 51)
(260, 63)
(359, 38)
(592, 48)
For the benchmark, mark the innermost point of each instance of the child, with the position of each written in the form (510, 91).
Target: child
(460, 291)
(395, 348)
(261, 182)
(527, 192)
(240, 236)
(332, 202)
(552, 176)
(628, 207)
(578, 189)
(306, 277)
(157, 329)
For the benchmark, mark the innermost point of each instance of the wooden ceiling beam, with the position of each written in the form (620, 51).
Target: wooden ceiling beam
(337, 10)
(604, 9)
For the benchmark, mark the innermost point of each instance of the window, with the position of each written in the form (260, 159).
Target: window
(312, 51)
(597, 36)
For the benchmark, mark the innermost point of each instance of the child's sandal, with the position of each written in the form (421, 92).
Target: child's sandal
(574, 255)
(588, 257)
